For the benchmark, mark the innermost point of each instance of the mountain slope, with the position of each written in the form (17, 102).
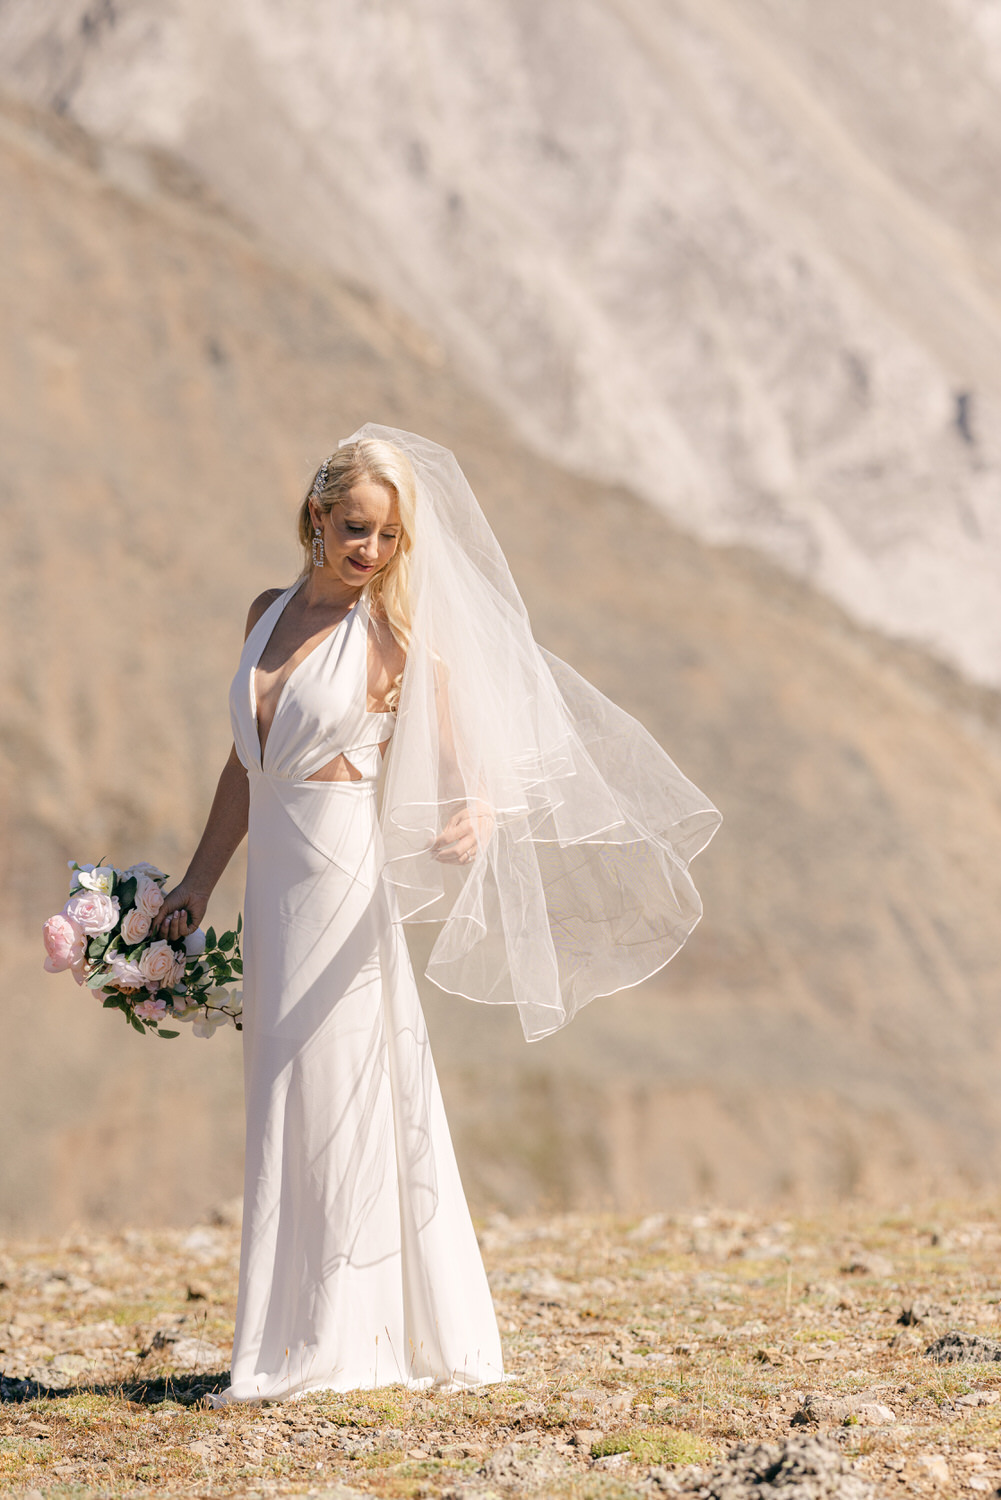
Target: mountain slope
(166, 384)
(738, 257)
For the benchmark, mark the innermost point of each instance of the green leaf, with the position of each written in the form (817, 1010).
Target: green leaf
(134, 1021)
(113, 1002)
(96, 981)
(127, 893)
(237, 966)
(97, 947)
(227, 941)
(210, 938)
(239, 921)
(168, 1036)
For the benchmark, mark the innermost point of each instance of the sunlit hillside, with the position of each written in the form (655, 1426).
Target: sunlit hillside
(741, 255)
(166, 384)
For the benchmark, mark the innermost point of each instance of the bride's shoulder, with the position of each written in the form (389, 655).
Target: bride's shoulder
(261, 603)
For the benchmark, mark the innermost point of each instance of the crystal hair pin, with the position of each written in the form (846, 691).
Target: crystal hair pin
(320, 481)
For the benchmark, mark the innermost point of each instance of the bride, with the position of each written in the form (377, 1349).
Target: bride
(403, 750)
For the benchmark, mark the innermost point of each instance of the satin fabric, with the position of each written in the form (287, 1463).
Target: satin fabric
(359, 1266)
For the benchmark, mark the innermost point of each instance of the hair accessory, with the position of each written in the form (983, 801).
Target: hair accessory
(320, 482)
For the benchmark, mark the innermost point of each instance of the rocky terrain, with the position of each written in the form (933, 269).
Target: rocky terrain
(727, 1356)
(166, 383)
(741, 255)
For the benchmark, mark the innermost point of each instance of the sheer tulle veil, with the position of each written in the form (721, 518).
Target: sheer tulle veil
(580, 886)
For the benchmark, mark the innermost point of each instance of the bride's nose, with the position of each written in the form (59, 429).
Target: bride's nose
(370, 549)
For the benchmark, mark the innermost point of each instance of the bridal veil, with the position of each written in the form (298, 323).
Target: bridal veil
(580, 885)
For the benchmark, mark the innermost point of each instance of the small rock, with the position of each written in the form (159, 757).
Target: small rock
(957, 1348)
(979, 1398)
(827, 1410)
(935, 1467)
(585, 1436)
(611, 1461)
(868, 1263)
(873, 1414)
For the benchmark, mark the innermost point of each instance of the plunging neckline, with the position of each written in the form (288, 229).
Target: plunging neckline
(261, 748)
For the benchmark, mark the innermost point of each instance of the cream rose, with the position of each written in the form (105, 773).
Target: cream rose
(160, 964)
(149, 897)
(135, 926)
(92, 911)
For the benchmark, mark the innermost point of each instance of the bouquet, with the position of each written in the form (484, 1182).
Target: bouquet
(104, 937)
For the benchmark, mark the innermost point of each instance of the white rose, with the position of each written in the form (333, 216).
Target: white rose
(143, 868)
(194, 943)
(149, 897)
(160, 964)
(98, 878)
(135, 926)
(93, 911)
(125, 974)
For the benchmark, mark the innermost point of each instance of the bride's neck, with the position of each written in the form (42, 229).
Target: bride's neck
(328, 593)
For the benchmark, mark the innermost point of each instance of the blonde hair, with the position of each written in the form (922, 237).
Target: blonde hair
(380, 463)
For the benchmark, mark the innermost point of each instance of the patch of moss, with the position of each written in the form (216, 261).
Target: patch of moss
(668, 1445)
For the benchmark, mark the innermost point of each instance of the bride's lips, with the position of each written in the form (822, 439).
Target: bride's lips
(362, 567)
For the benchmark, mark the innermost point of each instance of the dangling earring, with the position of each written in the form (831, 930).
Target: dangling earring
(317, 547)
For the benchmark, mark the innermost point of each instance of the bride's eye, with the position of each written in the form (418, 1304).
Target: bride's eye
(355, 530)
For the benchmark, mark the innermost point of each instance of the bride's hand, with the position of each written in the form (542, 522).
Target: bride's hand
(462, 836)
(182, 911)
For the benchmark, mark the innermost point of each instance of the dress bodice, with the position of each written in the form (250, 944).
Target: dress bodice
(322, 708)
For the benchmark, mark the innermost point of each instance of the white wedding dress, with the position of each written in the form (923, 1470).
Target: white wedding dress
(359, 1266)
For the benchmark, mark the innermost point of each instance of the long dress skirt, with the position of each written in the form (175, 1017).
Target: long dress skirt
(359, 1265)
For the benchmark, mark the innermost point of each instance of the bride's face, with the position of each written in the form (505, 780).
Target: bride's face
(361, 532)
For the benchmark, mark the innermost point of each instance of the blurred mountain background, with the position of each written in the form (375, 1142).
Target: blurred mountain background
(706, 300)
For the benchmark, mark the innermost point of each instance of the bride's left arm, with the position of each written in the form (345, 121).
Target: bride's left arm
(469, 829)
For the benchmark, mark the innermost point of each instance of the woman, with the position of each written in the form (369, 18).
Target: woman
(540, 825)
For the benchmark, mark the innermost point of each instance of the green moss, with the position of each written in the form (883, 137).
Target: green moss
(668, 1445)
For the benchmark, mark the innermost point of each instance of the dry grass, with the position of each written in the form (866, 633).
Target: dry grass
(631, 1346)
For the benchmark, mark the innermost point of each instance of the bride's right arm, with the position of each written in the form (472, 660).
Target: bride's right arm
(226, 827)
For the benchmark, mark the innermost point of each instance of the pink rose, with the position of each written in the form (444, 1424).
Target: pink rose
(135, 926)
(149, 897)
(125, 975)
(93, 911)
(151, 1010)
(65, 944)
(160, 964)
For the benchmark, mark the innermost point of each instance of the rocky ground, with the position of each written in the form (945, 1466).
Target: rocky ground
(715, 1355)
